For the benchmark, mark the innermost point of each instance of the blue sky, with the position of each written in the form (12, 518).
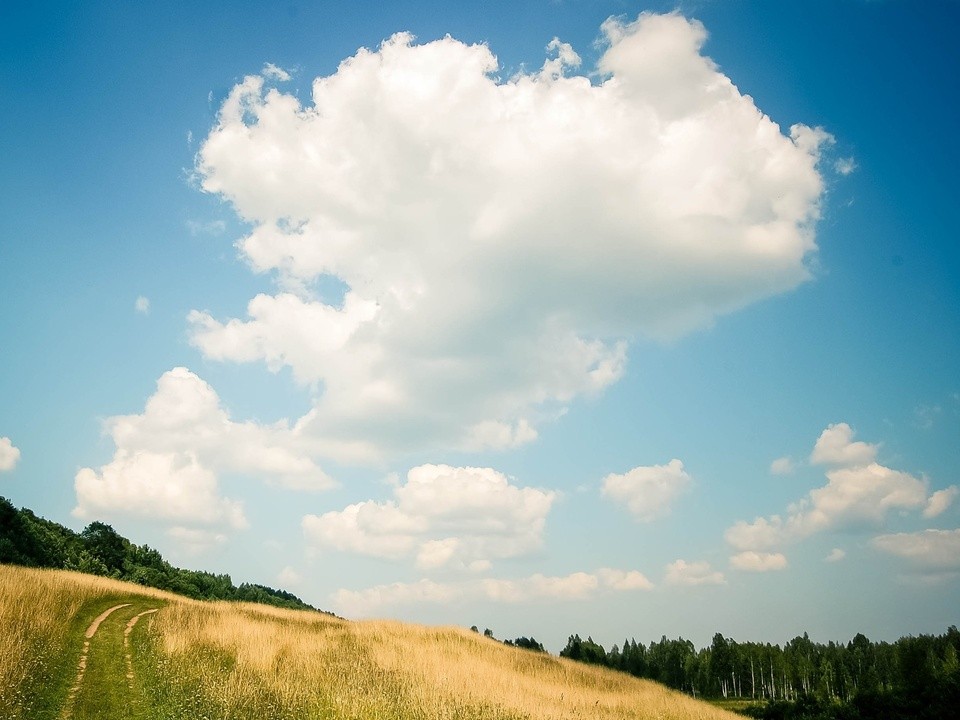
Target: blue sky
(579, 339)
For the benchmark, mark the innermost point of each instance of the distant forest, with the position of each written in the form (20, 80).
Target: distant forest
(914, 677)
(26, 539)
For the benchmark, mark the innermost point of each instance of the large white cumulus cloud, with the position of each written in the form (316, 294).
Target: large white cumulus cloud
(499, 241)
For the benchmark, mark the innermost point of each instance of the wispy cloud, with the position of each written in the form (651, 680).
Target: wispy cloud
(273, 72)
(209, 227)
(845, 166)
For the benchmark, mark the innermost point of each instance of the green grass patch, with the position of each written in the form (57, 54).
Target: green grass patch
(106, 691)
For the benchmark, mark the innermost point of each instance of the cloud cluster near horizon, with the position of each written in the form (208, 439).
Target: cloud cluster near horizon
(573, 587)
(859, 491)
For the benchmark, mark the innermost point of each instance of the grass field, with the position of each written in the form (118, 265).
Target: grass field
(220, 661)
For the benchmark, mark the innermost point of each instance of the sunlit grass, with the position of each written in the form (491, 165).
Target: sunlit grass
(42, 616)
(243, 661)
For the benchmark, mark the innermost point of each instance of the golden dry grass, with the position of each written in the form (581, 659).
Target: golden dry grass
(40, 613)
(283, 663)
(456, 662)
(237, 661)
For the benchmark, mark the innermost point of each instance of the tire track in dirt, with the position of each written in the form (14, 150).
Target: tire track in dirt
(126, 643)
(82, 665)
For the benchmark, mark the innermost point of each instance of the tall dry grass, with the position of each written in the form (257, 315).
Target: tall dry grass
(253, 662)
(220, 661)
(455, 662)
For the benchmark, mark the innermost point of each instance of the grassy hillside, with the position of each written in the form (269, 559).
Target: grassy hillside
(219, 660)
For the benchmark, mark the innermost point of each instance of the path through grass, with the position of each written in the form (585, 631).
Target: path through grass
(106, 686)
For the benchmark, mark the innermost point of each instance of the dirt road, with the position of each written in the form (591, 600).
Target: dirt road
(105, 686)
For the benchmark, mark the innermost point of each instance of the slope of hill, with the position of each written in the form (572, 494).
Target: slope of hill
(155, 655)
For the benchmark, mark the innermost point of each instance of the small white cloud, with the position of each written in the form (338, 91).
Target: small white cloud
(859, 493)
(782, 466)
(926, 550)
(289, 577)
(648, 491)
(680, 572)
(752, 561)
(273, 72)
(835, 446)
(449, 517)
(9, 455)
(940, 501)
(845, 166)
(142, 305)
(835, 555)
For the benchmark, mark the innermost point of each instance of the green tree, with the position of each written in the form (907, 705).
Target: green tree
(106, 545)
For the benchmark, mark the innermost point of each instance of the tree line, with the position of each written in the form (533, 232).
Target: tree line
(914, 677)
(32, 541)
